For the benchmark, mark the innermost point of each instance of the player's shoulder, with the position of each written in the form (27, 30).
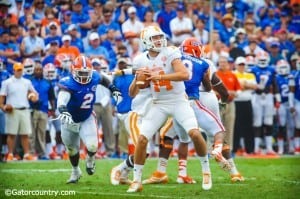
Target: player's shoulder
(139, 60)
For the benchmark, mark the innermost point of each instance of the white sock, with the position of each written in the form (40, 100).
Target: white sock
(60, 149)
(291, 144)
(280, 145)
(218, 147)
(90, 161)
(75, 168)
(137, 172)
(205, 164)
(257, 144)
(162, 165)
(297, 142)
(48, 148)
(182, 167)
(233, 170)
(269, 140)
(242, 143)
(123, 165)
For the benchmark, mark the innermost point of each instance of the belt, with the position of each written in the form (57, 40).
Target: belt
(21, 108)
(98, 104)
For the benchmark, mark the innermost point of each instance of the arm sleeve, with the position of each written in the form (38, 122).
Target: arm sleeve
(63, 98)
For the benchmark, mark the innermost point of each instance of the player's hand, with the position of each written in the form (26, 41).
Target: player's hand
(118, 72)
(117, 95)
(222, 107)
(65, 118)
(292, 110)
(277, 105)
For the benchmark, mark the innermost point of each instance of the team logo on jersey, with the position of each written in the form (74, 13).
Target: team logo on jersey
(164, 58)
(94, 88)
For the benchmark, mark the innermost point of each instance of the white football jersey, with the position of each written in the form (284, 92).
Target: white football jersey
(161, 64)
(141, 102)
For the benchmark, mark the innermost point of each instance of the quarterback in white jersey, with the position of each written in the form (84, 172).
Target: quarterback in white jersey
(167, 73)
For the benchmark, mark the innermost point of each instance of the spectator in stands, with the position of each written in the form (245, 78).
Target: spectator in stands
(274, 51)
(284, 23)
(39, 115)
(96, 14)
(149, 19)
(121, 14)
(181, 27)
(80, 18)
(108, 24)
(15, 103)
(228, 30)
(132, 27)
(271, 19)
(165, 16)
(66, 21)
(9, 50)
(200, 32)
(134, 48)
(54, 34)
(75, 37)
(51, 52)
(252, 48)
(286, 46)
(67, 48)
(27, 9)
(32, 46)
(218, 51)
(49, 19)
(95, 50)
(39, 8)
(249, 26)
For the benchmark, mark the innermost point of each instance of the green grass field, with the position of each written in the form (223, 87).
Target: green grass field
(264, 178)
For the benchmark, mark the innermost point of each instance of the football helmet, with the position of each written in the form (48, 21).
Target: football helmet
(250, 61)
(262, 59)
(28, 66)
(49, 72)
(82, 70)
(282, 67)
(149, 42)
(100, 65)
(63, 61)
(192, 46)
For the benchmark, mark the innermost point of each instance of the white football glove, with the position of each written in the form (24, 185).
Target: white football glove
(117, 95)
(65, 118)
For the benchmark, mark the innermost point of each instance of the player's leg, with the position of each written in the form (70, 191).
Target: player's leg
(297, 126)
(268, 122)
(89, 135)
(152, 121)
(72, 143)
(282, 117)
(257, 122)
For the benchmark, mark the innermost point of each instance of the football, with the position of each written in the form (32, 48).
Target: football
(141, 81)
(8, 108)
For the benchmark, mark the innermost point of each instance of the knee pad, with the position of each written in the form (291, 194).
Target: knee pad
(92, 148)
(72, 151)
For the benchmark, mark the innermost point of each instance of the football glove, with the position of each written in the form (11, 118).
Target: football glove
(65, 117)
(116, 94)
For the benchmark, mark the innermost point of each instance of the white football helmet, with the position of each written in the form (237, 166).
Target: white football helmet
(283, 67)
(250, 61)
(147, 35)
(49, 72)
(262, 59)
(28, 66)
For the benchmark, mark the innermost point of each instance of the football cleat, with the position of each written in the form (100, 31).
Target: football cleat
(185, 180)
(237, 178)
(206, 181)
(9, 157)
(29, 157)
(90, 165)
(157, 178)
(224, 164)
(115, 176)
(75, 176)
(135, 187)
(124, 177)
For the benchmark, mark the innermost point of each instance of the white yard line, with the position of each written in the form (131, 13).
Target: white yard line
(34, 170)
(121, 194)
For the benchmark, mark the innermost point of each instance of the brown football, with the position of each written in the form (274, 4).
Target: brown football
(141, 81)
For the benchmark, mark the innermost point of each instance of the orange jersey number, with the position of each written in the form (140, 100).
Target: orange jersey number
(162, 83)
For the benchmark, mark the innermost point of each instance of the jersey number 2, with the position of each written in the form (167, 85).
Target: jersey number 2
(87, 103)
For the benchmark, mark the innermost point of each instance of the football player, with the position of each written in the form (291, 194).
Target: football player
(75, 102)
(296, 74)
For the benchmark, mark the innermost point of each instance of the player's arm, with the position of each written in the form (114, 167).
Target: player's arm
(206, 82)
(133, 88)
(219, 87)
(180, 73)
(126, 71)
(116, 94)
(63, 99)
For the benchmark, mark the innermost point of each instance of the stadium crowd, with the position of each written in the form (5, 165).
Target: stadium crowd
(40, 39)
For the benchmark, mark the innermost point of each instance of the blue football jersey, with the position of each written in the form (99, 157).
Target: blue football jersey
(266, 74)
(82, 99)
(296, 75)
(283, 85)
(197, 68)
(3, 76)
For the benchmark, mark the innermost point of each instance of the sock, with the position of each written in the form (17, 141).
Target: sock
(297, 142)
(74, 159)
(256, 144)
(182, 167)
(90, 160)
(233, 170)
(123, 165)
(269, 140)
(137, 172)
(48, 148)
(205, 164)
(280, 145)
(59, 149)
(242, 143)
(291, 145)
(162, 165)
(4, 149)
(218, 147)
